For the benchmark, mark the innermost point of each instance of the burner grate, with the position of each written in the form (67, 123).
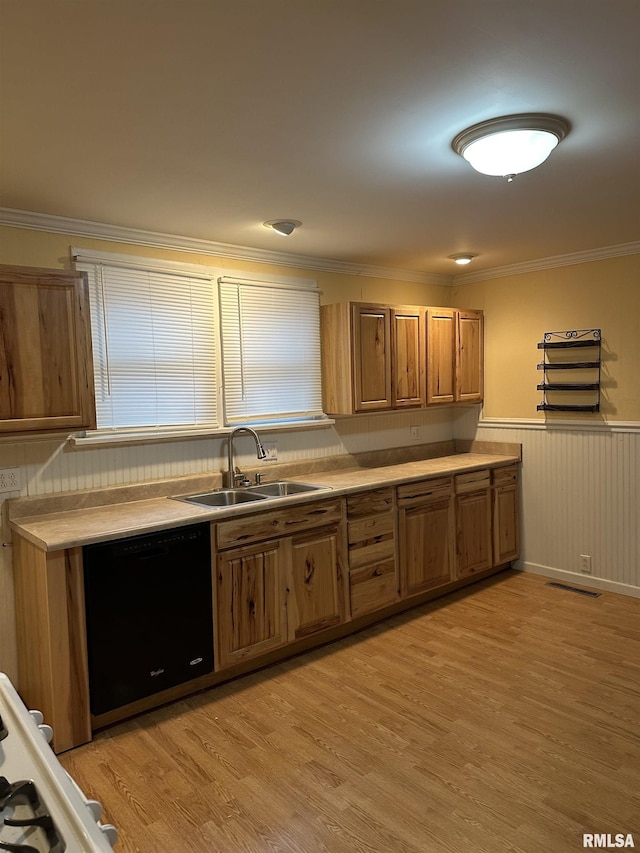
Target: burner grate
(30, 817)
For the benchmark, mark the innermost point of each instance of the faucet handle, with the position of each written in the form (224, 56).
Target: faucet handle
(240, 478)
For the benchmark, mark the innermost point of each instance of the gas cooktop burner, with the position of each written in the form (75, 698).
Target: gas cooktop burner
(27, 826)
(42, 810)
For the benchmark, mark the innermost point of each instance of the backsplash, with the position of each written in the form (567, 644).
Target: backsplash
(47, 466)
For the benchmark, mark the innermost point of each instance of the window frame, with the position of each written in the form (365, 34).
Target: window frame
(105, 436)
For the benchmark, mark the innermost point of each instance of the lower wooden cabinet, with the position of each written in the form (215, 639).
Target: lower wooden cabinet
(250, 617)
(371, 538)
(275, 592)
(506, 515)
(473, 523)
(315, 585)
(426, 535)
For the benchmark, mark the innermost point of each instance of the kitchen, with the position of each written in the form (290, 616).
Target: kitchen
(579, 493)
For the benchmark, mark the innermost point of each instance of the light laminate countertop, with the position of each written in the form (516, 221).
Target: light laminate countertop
(54, 531)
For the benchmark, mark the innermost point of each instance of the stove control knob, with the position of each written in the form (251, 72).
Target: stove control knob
(38, 717)
(46, 732)
(95, 808)
(111, 833)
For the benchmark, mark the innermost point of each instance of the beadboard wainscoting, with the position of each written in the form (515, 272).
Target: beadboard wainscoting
(580, 495)
(49, 466)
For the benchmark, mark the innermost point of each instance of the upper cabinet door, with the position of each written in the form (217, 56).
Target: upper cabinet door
(407, 357)
(470, 359)
(372, 357)
(441, 355)
(46, 368)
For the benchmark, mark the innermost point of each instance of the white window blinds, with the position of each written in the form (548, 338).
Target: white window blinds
(154, 346)
(271, 351)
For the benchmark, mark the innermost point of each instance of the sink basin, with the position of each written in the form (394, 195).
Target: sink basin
(283, 488)
(222, 498)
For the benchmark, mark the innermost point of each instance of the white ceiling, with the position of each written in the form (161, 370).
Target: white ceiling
(204, 118)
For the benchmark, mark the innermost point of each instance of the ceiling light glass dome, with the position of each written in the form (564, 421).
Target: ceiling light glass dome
(510, 145)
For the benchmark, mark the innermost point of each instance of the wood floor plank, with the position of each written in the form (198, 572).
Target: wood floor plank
(503, 717)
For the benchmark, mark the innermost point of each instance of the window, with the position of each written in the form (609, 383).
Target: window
(270, 351)
(166, 356)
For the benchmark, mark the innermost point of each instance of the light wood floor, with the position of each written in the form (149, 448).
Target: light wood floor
(501, 718)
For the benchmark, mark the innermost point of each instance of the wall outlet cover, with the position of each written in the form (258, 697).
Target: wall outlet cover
(9, 480)
(271, 449)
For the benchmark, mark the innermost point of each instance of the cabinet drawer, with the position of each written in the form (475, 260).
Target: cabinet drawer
(364, 529)
(504, 476)
(424, 492)
(472, 481)
(373, 587)
(371, 539)
(269, 525)
(370, 503)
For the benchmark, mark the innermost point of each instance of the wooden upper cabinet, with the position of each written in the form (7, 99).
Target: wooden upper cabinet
(383, 357)
(470, 357)
(46, 367)
(407, 357)
(441, 355)
(356, 357)
(372, 357)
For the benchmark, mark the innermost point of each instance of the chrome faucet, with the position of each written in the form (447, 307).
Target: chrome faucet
(234, 476)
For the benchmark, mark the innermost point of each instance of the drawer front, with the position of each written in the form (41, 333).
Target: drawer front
(370, 503)
(373, 587)
(504, 476)
(472, 481)
(282, 522)
(365, 529)
(371, 539)
(424, 491)
(365, 553)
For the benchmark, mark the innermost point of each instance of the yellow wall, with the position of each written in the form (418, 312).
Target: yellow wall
(519, 309)
(44, 249)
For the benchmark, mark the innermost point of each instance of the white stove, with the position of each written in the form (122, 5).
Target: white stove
(42, 810)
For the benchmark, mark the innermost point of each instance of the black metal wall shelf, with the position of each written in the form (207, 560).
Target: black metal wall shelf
(568, 340)
(569, 344)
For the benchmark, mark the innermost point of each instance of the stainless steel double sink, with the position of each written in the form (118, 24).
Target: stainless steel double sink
(221, 498)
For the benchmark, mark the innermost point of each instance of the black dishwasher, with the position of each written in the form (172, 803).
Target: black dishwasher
(149, 614)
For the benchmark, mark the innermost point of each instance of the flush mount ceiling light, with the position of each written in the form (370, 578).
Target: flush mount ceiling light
(510, 145)
(462, 258)
(284, 227)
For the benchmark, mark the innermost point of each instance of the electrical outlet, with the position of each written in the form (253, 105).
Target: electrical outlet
(271, 449)
(415, 432)
(9, 480)
(585, 564)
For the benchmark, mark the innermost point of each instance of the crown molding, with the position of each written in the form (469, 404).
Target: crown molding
(549, 263)
(158, 240)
